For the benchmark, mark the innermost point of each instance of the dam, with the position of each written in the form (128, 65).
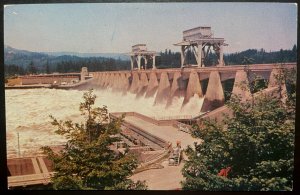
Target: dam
(150, 136)
(205, 82)
(163, 86)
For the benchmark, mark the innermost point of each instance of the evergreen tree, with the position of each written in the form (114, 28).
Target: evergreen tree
(88, 161)
(12, 70)
(47, 67)
(256, 146)
(31, 69)
(294, 49)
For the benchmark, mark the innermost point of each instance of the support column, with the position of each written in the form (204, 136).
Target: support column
(182, 56)
(152, 85)
(131, 60)
(221, 63)
(142, 85)
(139, 61)
(214, 96)
(193, 87)
(176, 88)
(195, 54)
(135, 83)
(277, 80)
(153, 64)
(203, 56)
(163, 90)
(199, 55)
(126, 85)
(146, 62)
(241, 86)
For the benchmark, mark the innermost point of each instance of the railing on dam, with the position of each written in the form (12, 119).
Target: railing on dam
(165, 122)
(145, 118)
(175, 117)
(213, 68)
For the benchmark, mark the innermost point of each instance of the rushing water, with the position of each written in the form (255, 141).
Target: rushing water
(27, 113)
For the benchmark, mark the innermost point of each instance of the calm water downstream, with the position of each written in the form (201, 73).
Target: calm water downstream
(27, 113)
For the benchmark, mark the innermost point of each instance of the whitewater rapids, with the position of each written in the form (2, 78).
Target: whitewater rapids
(28, 110)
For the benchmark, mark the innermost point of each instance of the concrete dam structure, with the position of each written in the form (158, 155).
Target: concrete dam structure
(205, 82)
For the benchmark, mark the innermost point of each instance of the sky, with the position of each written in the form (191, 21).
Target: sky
(115, 27)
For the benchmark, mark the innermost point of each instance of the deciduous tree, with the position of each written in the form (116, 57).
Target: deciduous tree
(257, 143)
(87, 160)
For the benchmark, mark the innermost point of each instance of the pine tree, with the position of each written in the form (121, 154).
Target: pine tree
(256, 144)
(31, 68)
(88, 161)
(47, 67)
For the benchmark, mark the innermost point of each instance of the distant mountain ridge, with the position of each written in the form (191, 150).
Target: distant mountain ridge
(87, 55)
(24, 57)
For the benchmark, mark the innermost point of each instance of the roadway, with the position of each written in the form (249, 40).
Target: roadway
(167, 178)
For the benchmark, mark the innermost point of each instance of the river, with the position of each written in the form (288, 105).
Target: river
(27, 113)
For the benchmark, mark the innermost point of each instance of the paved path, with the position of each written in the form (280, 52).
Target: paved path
(167, 178)
(168, 133)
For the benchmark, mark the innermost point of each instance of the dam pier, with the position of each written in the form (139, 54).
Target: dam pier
(205, 82)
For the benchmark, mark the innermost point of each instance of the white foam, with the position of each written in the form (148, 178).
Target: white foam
(27, 113)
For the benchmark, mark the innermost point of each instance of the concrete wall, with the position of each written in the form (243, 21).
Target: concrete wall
(165, 84)
(29, 171)
(47, 80)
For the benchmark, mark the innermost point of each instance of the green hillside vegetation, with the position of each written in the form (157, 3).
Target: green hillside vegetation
(20, 62)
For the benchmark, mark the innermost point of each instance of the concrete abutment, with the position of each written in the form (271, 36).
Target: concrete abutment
(163, 90)
(214, 96)
(193, 87)
(209, 82)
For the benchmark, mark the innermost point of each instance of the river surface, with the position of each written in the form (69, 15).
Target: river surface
(28, 110)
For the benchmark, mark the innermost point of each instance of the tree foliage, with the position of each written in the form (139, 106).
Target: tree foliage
(88, 161)
(31, 68)
(257, 143)
(167, 59)
(13, 70)
(262, 57)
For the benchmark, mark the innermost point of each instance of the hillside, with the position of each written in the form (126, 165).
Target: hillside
(25, 62)
(23, 58)
(88, 55)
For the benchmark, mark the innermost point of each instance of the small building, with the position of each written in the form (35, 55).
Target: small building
(139, 47)
(84, 72)
(138, 53)
(201, 41)
(195, 34)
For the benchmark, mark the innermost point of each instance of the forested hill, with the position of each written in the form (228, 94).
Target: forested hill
(24, 57)
(262, 57)
(251, 56)
(24, 62)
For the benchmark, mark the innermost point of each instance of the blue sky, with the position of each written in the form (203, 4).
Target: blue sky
(115, 27)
